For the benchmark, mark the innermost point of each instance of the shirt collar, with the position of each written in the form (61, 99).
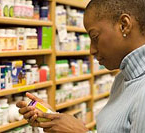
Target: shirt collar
(133, 65)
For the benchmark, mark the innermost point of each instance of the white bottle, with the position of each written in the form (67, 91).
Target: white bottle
(43, 95)
(5, 107)
(28, 35)
(17, 8)
(23, 8)
(1, 116)
(2, 39)
(28, 74)
(34, 69)
(5, 8)
(34, 41)
(30, 9)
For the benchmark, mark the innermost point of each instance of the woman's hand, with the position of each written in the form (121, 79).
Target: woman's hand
(29, 112)
(61, 123)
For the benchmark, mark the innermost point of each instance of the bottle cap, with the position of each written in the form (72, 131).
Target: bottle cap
(31, 61)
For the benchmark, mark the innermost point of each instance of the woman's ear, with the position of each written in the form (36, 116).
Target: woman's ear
(125, 24)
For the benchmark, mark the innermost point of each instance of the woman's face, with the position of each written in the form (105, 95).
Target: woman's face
(107, 42)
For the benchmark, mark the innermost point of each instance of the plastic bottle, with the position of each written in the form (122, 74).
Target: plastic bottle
(30, 9)
(17, 8)
(45, 67)
(5, 8)
(34, 40)
(20, 38)
(34, 69)
(44, 9)
(2, 39)
(28, 35)
(23, 8)
(1, 115)
(28, 74)
(9, 34)
(43, 95)
(5, 107)
(36, 10)
(11, 8)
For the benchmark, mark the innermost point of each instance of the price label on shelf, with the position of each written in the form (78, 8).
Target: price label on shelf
(26, 88)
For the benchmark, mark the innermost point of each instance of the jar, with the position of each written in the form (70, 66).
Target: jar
(45, 67)
(5, 107)
(43, 95)
(28, 74)
(34, 69)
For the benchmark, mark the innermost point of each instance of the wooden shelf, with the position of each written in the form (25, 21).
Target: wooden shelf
(24, 22)
(25, 53)
(100, 96)
(73, 112)
(72, 53)
(12, 125)
(72, 102)
(75, 3)
(73, 79)
(104, 71)
(90, 125)
(25, 88)
(75, 29)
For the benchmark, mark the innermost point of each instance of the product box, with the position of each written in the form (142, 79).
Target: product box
(44, 37)
(2, 77)
(16, 72)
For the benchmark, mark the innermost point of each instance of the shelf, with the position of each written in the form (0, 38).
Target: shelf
(73, 79)
(76, 29)
(75, 3)
(72, 53)
(90, 125)
(73, 112)
(100, 96)
(104, 71)
(25, 53)
(24, 22)
(12, 125)
(72, 102)
(25, 88)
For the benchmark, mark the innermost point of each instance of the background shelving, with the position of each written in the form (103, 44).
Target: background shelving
(50, 56)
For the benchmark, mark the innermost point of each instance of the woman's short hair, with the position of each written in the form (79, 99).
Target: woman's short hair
(112, 9)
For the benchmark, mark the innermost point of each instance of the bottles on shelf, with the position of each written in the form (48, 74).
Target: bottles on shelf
(25, 38)
(25, 9)
(8, 109)
(18, 73)
(66, 68)
(75, 42)
(72, 91)
(103, 84)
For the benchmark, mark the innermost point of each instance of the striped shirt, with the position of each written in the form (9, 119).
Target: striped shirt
(125, 110)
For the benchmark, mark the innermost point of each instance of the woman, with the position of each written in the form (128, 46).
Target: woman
(117, 32)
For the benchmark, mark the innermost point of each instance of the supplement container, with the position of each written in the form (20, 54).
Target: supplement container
(34, 69)
(2, 39)
(5, 107)
(34, 41)
(1, 115)
(45, 67)
(30, 9)
(17, 8)
(28, 74)
(43, 95)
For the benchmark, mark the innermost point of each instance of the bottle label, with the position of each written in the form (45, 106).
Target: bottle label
(17, 11)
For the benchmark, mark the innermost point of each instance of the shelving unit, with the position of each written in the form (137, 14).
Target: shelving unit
(73, 53)
(76, 29)
(25, 53)
(49, 57)
(100, 96)
(24, 22)
(90, 125)
(72, 102)
(25, 88)
(73, 79)
(12, 125)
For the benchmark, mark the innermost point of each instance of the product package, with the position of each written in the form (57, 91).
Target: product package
(44, 37)
(42, 108)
